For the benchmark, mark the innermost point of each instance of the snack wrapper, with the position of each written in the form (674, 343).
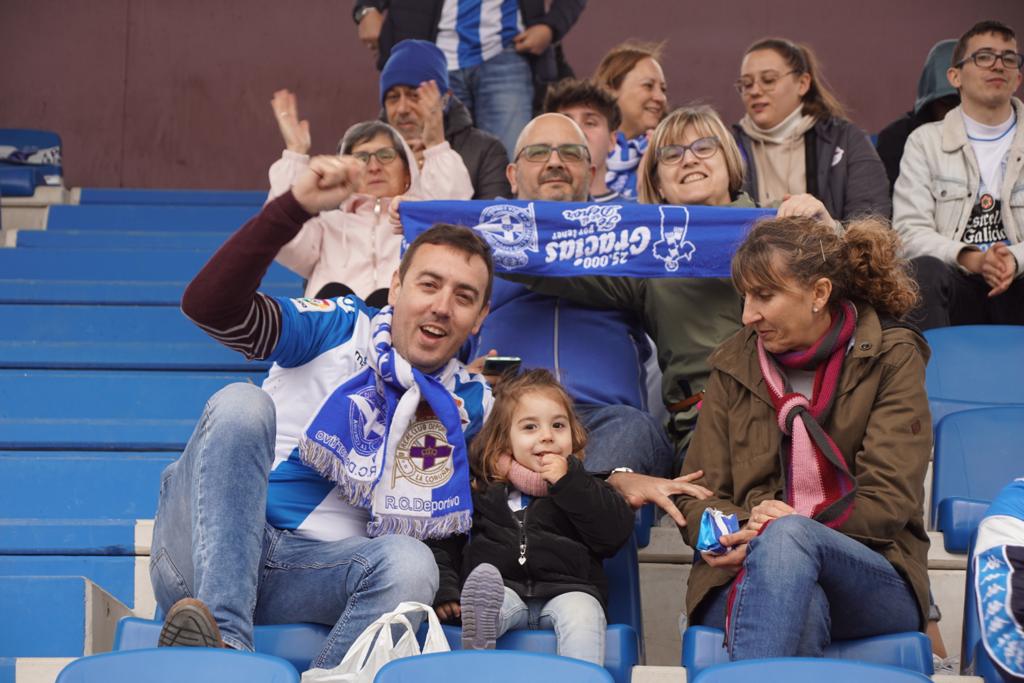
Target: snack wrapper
(713, 525)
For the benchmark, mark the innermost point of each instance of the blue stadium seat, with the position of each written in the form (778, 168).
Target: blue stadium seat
(143, 217)
(296, 643)
(976, 453)
(97, 410)
(806, 670)
(958, 379)
(121, 195)
(20, 181)
(113, 573)
(206, 242)
(45, 616)
(176, 664)
(111, 337)
(467, 666)
(28, 142)
(702, 648)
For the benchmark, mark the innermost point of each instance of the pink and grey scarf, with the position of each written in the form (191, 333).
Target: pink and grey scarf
(819, 484)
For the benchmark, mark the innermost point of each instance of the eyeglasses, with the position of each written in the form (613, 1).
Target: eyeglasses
(385, 155)
(541, 152)
(985, 59)
(702, 148)
(767, 80)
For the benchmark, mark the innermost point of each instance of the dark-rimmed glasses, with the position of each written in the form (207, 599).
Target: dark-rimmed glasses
(985, 59)
(767, 80)
(702, 148)
(385, 155)
(570, 152)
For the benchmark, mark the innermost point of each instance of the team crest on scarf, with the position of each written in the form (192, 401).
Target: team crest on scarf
(511, 231)
(673, 245)
(367, 412)
(424, 455)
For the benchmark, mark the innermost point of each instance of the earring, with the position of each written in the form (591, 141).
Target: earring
(814, 309)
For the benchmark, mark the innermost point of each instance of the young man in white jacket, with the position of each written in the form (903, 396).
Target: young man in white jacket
(958, 204)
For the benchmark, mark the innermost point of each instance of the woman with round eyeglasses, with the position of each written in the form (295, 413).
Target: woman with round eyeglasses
(632, 73)
(795, 137)
(354, 248)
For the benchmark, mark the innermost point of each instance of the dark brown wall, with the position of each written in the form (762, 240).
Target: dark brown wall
(176, 93)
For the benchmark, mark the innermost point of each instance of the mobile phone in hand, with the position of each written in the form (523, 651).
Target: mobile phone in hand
(500, 365)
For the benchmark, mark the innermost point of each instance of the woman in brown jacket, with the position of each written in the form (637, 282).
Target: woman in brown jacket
(815, 432)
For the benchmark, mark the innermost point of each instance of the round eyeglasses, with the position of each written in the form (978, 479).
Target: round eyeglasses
(385, 155)
(702, 148)
(541, 152)
(768, 80)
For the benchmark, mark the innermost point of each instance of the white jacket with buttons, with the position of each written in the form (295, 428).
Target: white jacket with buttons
(356, 244)
(938, 187)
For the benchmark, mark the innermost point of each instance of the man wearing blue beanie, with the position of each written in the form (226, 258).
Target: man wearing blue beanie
(405, 93)
(496, 51)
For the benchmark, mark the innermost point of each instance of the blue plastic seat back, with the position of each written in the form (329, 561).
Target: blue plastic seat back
(971, 636)
(806, 670)
(976, 453)
(295, 643)
(498, 666)
(20, 181)
(973, 366)
(702, 648)
(176, 664)
(624, 604)
(226, 218)
(33, 143)
(124, 195)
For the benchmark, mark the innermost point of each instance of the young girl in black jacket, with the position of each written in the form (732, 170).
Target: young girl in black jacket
(541, 527)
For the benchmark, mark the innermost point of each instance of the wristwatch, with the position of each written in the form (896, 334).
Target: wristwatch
(621, 469)
(361, 12)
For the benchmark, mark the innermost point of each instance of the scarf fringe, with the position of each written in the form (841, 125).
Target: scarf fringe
(328, 465)
(421, 527)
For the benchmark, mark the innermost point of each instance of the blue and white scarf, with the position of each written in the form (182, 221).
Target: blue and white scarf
(623, 162)
(563, 239)
(431, 501)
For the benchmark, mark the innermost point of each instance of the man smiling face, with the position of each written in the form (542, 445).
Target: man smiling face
(554, 179)
(441, 299)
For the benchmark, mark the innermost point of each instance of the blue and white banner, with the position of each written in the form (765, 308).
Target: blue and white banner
(564, 239)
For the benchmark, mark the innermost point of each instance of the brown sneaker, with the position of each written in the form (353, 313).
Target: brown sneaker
(190, 624)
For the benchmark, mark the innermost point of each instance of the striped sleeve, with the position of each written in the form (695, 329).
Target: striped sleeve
(223, 299)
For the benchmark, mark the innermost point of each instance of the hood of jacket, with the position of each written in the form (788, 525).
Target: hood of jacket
(933, 83)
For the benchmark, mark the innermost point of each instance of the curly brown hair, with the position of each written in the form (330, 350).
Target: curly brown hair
(863, 262)
(494, 439)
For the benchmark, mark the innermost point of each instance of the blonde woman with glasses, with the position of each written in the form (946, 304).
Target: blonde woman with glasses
(795, 137)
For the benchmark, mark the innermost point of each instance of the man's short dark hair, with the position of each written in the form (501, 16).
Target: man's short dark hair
(981, 28)
(457, 237)
(570, 92)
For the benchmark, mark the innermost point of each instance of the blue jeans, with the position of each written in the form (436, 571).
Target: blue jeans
(212, 541)
(623, 436)
(577, 619)
(805, 585)
(499, 95)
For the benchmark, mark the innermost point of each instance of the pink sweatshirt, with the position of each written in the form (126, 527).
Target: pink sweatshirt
(356, 244)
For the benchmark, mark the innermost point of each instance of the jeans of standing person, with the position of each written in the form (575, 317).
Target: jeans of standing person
(623, 436)
(577, 619)
(805, 585)
(212, 541)
(499, 95)
(950, 296)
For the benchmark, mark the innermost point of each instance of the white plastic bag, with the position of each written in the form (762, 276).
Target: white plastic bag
(375, 647)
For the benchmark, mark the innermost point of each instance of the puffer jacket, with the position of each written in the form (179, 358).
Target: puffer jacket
(938, 187)
(880, 421)
(356, 245)
(563, 538)
(843, 169)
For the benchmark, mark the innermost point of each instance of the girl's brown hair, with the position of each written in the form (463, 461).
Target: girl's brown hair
(819, 101)
(494, 439)
(863, 263)
(707, 123)
(622, 59)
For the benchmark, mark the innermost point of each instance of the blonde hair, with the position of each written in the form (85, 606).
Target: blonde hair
(495, 440)
(863, 263)
(707, 123)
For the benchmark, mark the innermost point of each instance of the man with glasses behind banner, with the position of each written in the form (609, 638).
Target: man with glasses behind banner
(959, 200)
(597, 354)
